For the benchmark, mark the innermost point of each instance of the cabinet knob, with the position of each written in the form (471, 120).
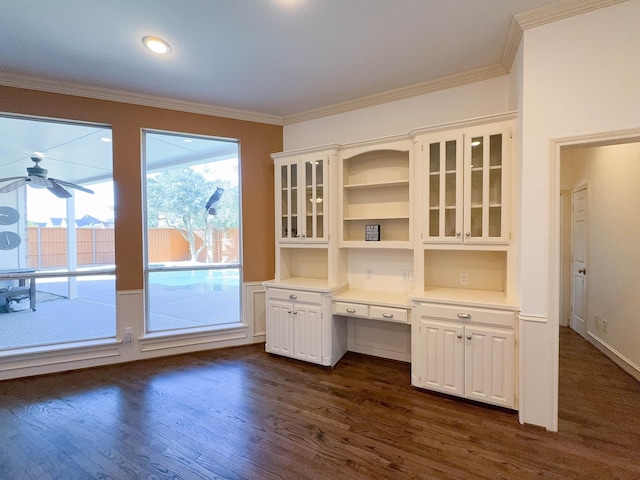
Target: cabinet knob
(304, 236)
(464, 315)
(458, 234)
(583, 271)
(288, 311)
(469, 337)
(468, 234)
(459, 335)
(293, 297)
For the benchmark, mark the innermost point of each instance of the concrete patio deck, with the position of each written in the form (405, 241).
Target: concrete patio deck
(176, 300)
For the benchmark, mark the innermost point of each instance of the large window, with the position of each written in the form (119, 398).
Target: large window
(193, 257)
(57, 284)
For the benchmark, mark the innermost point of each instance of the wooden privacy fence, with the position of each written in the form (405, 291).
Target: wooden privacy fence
(47, 246)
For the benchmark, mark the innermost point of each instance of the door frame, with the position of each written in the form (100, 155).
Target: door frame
(555, 154)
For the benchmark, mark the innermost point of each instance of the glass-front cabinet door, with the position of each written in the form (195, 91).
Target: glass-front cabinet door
(314, 199)
(443, 181)
(465, 184)
(289, 205)
(485, 215)
(301, 202)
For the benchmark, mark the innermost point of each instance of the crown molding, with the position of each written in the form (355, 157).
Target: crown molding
(459, 79)
(542, 16)
(78, 90)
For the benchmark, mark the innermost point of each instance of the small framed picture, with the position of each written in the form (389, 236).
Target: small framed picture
(372, 233)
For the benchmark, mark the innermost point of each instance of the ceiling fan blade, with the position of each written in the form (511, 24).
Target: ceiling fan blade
(9, 178)
(57, 190)
(71, 185)
(9, 187)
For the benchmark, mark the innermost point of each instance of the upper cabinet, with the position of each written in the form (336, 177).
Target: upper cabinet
(302, 196)
(465, 185)
(376, 197)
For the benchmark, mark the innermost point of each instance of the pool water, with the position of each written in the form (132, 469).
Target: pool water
(197, 279)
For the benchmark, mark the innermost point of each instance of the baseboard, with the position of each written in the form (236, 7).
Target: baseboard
(615, 356)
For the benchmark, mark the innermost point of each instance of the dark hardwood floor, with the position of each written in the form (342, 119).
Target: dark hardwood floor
(242, 414)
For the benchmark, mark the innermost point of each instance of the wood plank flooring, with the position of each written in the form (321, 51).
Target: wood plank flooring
(242, 414)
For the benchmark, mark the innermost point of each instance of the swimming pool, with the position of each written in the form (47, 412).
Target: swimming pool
(197, 279)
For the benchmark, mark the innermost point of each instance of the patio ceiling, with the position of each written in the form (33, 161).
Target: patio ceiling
(83, 153)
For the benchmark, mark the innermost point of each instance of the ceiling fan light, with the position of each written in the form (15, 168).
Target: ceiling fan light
(156, 45)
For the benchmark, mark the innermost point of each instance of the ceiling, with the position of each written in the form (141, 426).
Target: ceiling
(276, 61)
(277, 58)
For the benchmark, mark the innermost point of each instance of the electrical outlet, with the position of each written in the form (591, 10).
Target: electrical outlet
(128, 335)
(407, 275)
(464, 279)
(598, 322)
(369, 273)
(305, 270)
(605, 325)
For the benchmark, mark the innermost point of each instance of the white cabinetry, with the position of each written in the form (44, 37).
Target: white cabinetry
(465, 184)
(302, 196)
(465, 351)
(299, 325)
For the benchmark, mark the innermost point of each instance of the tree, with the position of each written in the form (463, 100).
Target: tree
(177, 197)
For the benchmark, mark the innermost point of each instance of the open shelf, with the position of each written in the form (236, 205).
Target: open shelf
(376, 191)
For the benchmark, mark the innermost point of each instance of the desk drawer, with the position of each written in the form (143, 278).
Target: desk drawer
(388, 314)
(501, 318)
(294, 295)
(351, 309)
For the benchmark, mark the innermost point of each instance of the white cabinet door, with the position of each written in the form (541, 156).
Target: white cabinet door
(489, 365)
(441, 357)
(442, 180)
(302, 203)
(485, 185)
(307, 332)
(279, 328)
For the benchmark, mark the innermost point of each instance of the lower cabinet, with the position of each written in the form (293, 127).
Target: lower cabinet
(300, 325)
(468, 352)
(294, 330)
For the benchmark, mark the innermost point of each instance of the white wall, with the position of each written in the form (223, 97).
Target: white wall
(581, 76)
(400, 117)
(612, 174)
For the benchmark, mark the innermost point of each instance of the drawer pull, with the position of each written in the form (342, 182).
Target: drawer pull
(459, 335)
(464, 315)
(351, 310)
(387, 315)
(293, 297)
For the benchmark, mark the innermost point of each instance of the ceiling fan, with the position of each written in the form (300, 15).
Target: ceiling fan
(37, 178)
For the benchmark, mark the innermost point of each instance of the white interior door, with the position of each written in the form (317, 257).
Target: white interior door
(579, 260)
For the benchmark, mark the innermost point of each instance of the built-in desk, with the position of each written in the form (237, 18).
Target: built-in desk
(21, 290)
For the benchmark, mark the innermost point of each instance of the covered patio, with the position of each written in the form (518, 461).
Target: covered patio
(177, 300)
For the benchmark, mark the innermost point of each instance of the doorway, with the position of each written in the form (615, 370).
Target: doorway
(603, 256)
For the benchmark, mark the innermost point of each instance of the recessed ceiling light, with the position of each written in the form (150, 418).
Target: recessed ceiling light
(156, 45)
(105, 139)
(188, 140)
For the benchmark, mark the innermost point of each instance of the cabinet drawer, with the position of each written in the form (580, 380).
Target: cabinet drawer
(464, 314)
(294, 295)
(388, 314)
(351, 309)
